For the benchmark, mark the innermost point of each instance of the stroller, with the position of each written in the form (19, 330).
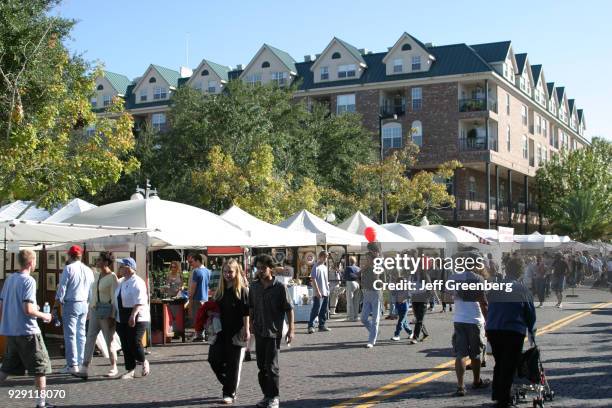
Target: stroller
(531, 369)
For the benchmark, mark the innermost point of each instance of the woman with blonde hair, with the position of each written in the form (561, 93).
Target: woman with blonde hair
(174, 283)
(226, 353)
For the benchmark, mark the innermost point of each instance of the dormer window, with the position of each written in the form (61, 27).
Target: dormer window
(280, 78)
(416, 62)
(106, 100)
(204, 72)
(100, 87)
(143, 95)
(406, 47)
(346, 71)
(336, 55)
(254, 79)
(265, 64)
(212, 86)
(152, 80)
(94, 102)
(398, 65)
(324, 73)
(159, 93)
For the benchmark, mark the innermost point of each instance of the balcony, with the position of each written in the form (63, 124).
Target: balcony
(473, 135)
(393, 104)
(477, 105)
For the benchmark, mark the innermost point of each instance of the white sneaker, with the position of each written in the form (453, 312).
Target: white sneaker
(112, 372)
(395, 338)
(228, 400)
(81, 372)
(369, 345)
(560, 306)
(145, 368)
(70, 370)
(128, 376)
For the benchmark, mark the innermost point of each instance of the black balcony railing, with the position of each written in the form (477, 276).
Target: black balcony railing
(477, 143)
(477, 105)
(393, 108)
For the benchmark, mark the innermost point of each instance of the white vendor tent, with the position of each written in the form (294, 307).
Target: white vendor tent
(422, 237)
(264, 234)
(390, 242)
(72, 208)
(171, 224)
(537, 241)
(327, 234)
(12, 210)
(454, 238)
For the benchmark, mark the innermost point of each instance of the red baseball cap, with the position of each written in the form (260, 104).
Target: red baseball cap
(75, 250)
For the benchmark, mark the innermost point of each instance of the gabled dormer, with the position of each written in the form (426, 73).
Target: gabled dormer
(270, 65)
(553, 100)
(573, 115)
(408, 55)
(338, 61)
(108, 86)
(524, 76)
(157, 84)
(563, 104)
(500, 56)
(581, 122)
(209, 77)
(540, 90)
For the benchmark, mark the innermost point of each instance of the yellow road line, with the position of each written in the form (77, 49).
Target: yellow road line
(405, 384)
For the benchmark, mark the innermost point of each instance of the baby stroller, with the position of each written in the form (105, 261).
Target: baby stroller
(531, 369)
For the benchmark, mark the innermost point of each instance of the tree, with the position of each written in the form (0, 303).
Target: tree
(45, 153)
(578, 184)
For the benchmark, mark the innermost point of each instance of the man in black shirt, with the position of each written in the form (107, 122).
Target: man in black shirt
(560, 271)
(269, 303)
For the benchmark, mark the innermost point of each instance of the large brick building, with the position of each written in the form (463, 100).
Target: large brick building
(482, 104)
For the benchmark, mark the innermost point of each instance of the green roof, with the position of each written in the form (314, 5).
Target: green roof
(521, 60)
(170, 76)
(536, 70)
(285, 58)
(220, 70)
(352, 49)
(118, 81)
(492, 52)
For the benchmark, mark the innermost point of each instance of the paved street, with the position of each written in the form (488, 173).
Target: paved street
(327, 369)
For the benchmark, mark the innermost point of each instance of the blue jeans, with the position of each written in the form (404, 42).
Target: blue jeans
(402, 321)
(319, 308)
(74, 315)
(372, 304)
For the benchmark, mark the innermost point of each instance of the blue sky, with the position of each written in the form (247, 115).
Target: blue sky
(570, 39)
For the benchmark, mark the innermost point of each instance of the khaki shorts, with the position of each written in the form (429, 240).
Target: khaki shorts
(26, 353)
(468, 340)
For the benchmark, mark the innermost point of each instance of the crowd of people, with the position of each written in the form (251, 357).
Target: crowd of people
(244, 314)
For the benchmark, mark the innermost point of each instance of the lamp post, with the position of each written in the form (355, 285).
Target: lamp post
(145, 193)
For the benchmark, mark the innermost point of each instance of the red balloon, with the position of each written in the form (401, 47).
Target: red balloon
(370, 234)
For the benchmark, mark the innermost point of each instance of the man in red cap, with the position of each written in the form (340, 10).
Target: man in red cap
(73, 294)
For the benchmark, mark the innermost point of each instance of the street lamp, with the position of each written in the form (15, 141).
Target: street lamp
(145, 193)
(383, 218)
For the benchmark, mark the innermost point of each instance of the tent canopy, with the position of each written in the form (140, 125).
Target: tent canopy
(452, 235)
(422, 237)
(327, 233)
(390, 242)
(12, 210)
(74, 207)
(30, 233)
(537, 241)
(264, 234)
(171, 224)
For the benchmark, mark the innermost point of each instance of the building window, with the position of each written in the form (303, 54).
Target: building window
(204, 72)
(345, 103)
(324, 73)
(198, 86)
(417, 133)
(538, 125)
(280, 78)
(398, 65)
(152, 80)
(417, 99)
(392, 135)
(143, 95)
(212, 87)
(406, 47)
(472, 188)
(265, 64)
(525, 147)
(508, 138)
(545, 128)
(159, 93)
(524, 114)
(336, 55)
(158, 120)
(254, 79)
(94, 102)
(507, 104)
(106, 100)
(100, 87)
(416, 62)
(540, 155)
(346, 71)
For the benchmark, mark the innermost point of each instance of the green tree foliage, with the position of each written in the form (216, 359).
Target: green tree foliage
(45, 154)
(575, 191)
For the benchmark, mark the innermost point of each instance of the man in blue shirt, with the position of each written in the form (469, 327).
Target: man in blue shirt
(18, 312)
(73, 294)
(198, 289)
